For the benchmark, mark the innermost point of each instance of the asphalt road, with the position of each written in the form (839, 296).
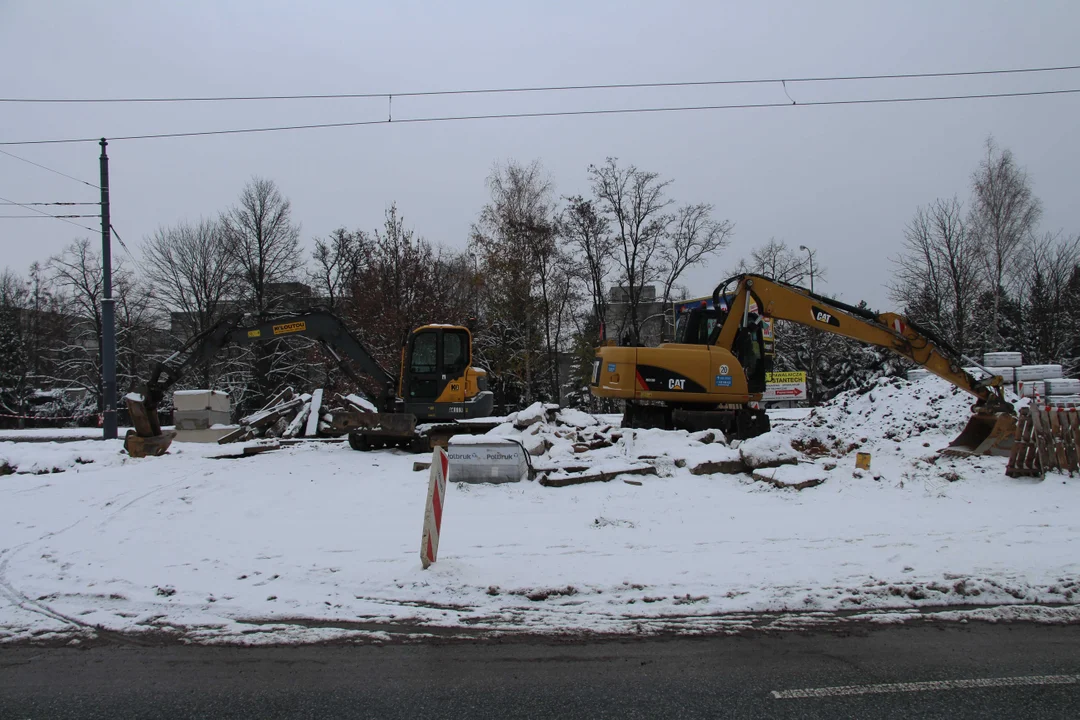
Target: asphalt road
(1014, 671)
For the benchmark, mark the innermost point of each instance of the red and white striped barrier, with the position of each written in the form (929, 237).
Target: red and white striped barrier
(436, 497)
(48, 417)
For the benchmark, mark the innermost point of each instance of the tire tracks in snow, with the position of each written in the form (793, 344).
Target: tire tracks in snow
(19, 599)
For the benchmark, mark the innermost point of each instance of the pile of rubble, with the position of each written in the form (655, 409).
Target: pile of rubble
(569, 447)
(290, 416)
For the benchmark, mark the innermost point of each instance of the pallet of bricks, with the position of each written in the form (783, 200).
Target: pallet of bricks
(1048, 431)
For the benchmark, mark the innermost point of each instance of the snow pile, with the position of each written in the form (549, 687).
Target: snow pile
(768, 450)
(40, 458)
(891, 409)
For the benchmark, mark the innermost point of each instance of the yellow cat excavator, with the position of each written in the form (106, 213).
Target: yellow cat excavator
(713, 376)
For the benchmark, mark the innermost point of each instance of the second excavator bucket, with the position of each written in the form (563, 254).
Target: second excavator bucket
(147, 438)
(985, 434)
(152, 446)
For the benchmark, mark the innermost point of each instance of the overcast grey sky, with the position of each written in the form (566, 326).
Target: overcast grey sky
(843, 180)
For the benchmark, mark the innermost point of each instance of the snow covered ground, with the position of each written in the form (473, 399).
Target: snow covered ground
(78, 433)
(316, 541)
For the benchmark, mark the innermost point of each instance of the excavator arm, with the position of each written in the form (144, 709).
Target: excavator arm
(320, 325)
(893, 332)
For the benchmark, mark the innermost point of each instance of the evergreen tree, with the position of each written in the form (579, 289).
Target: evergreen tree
(13, 364)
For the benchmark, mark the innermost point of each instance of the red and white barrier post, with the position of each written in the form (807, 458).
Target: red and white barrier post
(440, 470)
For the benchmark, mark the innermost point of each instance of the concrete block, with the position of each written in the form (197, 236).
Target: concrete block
(199, 419)
(202, 400)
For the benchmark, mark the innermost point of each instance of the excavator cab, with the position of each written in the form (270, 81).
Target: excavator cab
(697, 326)
(750, 349)
(438, 381)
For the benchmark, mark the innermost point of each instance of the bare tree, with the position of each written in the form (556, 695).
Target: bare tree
(586, 233)
(76, 274)
(263, 243)
(1004, 213)
(694, 236)
(190, 271)
(635, 203)
(776, 260)
(513, 240)
(554, 279)
(653, 246)
(403, 281)
(339, 260)
(939, 272)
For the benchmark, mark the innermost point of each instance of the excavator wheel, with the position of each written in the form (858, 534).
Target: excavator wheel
(359, 442)
(985, 434)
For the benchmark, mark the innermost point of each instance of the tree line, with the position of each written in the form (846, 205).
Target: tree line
(533, 283)
(983, 274)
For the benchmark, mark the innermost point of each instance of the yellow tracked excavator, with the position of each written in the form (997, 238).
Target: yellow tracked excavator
(713, 376)
(418, 408)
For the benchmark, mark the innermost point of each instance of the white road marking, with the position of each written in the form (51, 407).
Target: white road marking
(925, 686)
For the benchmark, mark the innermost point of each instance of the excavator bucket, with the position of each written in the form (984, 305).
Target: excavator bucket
(147, 438)
(985, 434)
(153, 446)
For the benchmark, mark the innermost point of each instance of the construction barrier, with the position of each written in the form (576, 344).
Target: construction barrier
(1046, 438)
(429, 542)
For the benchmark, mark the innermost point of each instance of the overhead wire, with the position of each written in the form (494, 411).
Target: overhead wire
(48, 203)
(551, 88)
(553, 113)
(52, 170)
(42, 212)
(121, 241)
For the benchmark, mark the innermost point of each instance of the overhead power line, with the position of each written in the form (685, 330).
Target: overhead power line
(42, 212)
(548, 88)
(121, 241)
(553, 113)
(39, 217)
(28, 204)
(43, 167)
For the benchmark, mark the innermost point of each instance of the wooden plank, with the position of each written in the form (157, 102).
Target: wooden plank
(239, 434)
(1057, 435)
(1031, 457)
(312, 428)
(301, 441)
(595, 477)
(283, 396)
(1015, 465)
(1072, 439)
(1064, 440)
(1040, 422)
(1025, 461)
(297, 422)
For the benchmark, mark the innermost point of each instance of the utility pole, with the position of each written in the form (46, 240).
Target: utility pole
(108, 315)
